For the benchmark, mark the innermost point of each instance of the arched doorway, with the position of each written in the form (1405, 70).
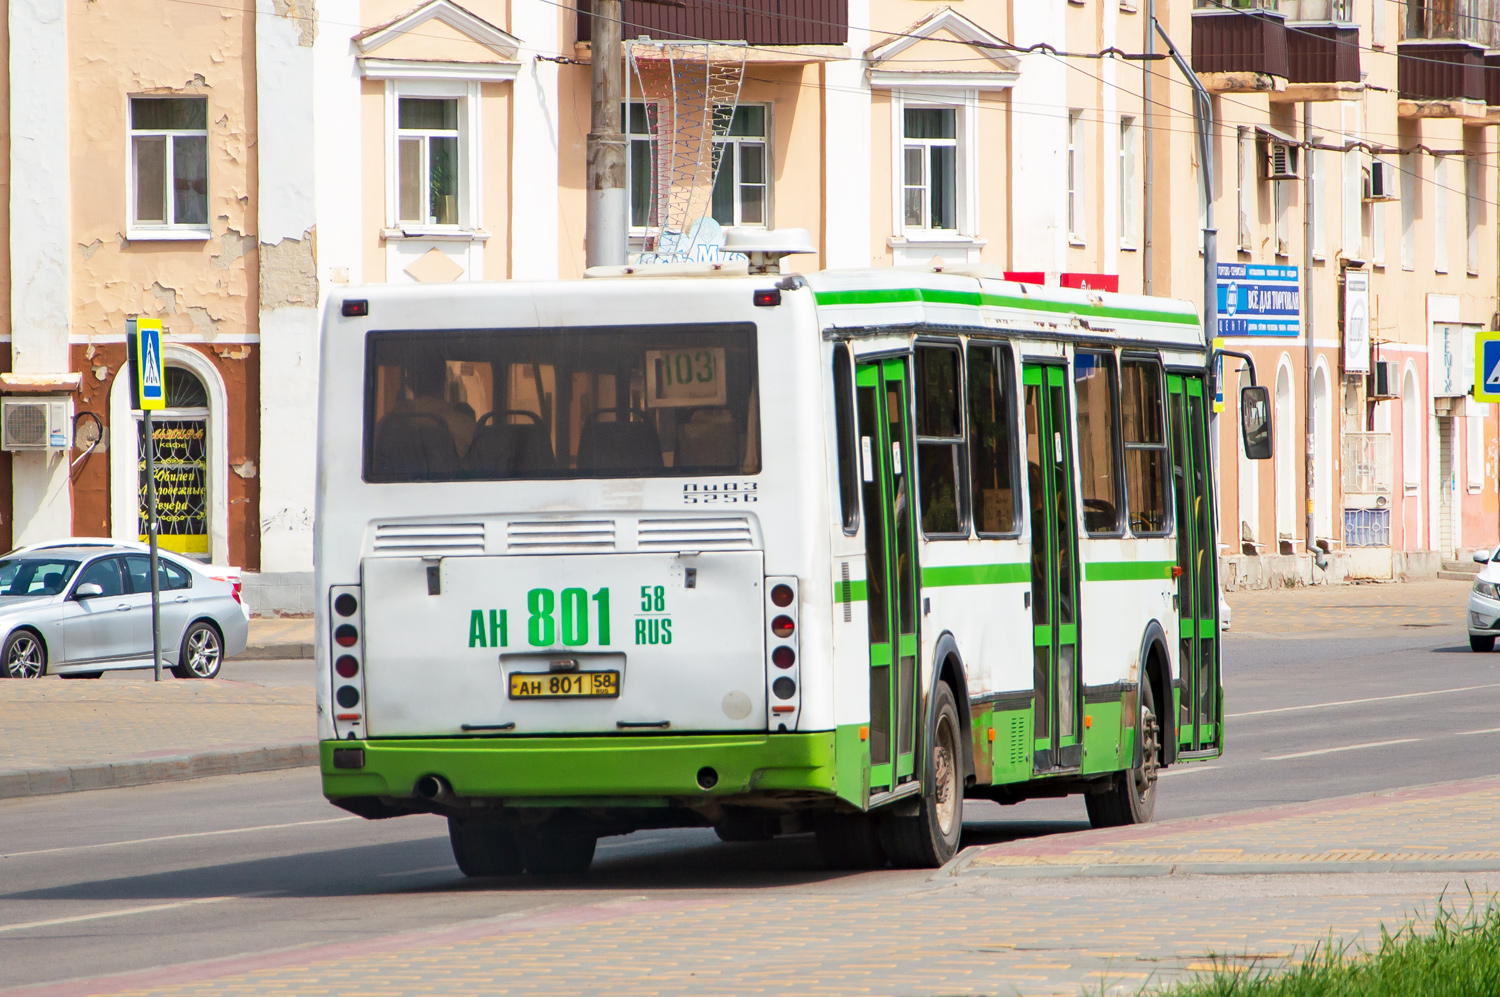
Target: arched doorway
(190, 437)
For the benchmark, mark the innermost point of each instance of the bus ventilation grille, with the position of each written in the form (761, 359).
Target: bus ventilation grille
(560, 534)
(722, 533)
(428, 539)
(1018, 753)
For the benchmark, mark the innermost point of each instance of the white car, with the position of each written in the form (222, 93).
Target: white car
(78, 609)
(1484, 603)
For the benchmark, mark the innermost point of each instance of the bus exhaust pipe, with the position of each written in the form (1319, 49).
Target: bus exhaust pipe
(435, 789)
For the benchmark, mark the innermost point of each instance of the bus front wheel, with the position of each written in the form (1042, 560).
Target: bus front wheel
(929, 838)
(1131, 796)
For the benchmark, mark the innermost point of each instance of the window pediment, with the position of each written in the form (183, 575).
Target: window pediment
(438, 38)
(944, 49)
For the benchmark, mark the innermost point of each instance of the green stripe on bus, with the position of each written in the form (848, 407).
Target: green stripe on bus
(976, 574)
(856, 592)
(1127, 571)
(906, 295)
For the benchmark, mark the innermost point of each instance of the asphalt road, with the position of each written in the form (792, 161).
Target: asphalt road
(118, 880)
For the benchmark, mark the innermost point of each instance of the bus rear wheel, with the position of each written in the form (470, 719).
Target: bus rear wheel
(929, 838)
(482, 848)
(1131, 796)
(548, 853)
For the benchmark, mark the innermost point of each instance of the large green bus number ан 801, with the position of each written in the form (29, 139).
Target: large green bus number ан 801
(541, 628)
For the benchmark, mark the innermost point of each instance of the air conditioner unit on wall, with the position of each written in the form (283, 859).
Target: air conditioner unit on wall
(44, 423)
(1380, 182)
(1383, 380)
(1282, 161)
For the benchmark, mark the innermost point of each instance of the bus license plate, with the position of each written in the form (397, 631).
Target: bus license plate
(556, 685)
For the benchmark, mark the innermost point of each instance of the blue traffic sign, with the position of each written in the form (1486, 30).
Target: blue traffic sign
(1487, 366)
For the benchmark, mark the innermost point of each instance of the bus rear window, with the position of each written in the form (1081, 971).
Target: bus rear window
(602, 402)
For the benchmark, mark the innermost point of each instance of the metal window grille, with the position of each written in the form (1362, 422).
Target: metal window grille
(1367, 527)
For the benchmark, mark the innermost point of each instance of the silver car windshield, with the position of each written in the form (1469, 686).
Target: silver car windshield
(35, 575)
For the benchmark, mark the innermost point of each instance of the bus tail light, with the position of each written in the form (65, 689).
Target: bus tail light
(783, 677)
(345, 649)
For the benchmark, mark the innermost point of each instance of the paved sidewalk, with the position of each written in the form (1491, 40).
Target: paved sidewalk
(1373, 609)
(961, 930)
(65, 736)
(279, 638)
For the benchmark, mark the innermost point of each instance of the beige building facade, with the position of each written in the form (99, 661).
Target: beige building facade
(223, 183)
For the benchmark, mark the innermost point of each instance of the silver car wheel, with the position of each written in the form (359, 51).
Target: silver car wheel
(24, 658)
(204, 652)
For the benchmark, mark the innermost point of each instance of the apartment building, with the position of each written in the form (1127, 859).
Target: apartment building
(224, 182)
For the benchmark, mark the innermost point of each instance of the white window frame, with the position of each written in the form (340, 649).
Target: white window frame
(638, 231)
(138, 231)
(1077, 178)
(1244, 189)
(1413, 417)
(732, 143)
(966, 162)
(1129, 225)
(1353, 201)
(927, 145)
(470, 166)
(1472, 209)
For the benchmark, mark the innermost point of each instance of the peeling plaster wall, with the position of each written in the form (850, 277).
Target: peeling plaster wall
(204, 291)
(284, 57)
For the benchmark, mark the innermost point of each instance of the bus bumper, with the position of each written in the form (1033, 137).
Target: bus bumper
(580, 768)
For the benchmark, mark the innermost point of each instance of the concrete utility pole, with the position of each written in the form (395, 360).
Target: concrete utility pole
(1310, 426)
(606, 231)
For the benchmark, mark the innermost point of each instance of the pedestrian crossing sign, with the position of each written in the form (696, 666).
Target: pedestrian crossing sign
(143, 340)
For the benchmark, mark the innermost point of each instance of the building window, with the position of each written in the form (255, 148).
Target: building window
(1409, 165)
(992, 438)
(1143, 421)
(1127, 184)
(1076, 221)
(1473, 206)
(169, 161)
(930, 168)
(940, 441)
(640, 164)
(427, 142)
(741, 168)
(1440, 214)
(1094, 383)
(1244, 187)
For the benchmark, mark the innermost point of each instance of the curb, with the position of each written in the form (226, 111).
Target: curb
(142, 772)
(274, 652)
(1148, 870)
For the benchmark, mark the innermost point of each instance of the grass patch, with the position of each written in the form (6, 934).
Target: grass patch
(1457, 955)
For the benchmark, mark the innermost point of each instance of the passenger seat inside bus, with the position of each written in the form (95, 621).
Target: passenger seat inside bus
(505, 449)
(628, 442)
(414, 446)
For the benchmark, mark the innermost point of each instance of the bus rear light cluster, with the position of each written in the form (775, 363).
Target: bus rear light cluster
(782, 678)
(347, 651)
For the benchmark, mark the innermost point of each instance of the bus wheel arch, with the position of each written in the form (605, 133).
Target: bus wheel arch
(1156, 668)
(949, 669)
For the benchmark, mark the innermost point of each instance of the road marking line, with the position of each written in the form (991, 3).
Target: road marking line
(116, 913)
(450, 867)
(179, 837)
(1372, 699)
(1188, 771)
(1487, 730)
(1347, 747)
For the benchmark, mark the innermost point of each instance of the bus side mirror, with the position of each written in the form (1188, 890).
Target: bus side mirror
(1255, 421)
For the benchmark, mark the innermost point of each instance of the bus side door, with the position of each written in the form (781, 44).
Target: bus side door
(883, 401)
(1197, 583)
(1054, 569)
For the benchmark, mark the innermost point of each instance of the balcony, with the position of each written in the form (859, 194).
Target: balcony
(1441, 68)
(758, 22)
(1240, 46)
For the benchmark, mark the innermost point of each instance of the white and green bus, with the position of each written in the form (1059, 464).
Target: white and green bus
(764, 553)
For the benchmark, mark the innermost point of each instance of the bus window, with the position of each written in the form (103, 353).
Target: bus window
(843, 409)
(992, 436)
(1141, 423)
(940, 441)
(1094, 382)
(613, 402)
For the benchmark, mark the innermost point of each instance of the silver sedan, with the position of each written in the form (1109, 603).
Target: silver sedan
(80, 611)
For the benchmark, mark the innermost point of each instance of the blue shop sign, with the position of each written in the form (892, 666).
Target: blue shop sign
(1257, 299)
